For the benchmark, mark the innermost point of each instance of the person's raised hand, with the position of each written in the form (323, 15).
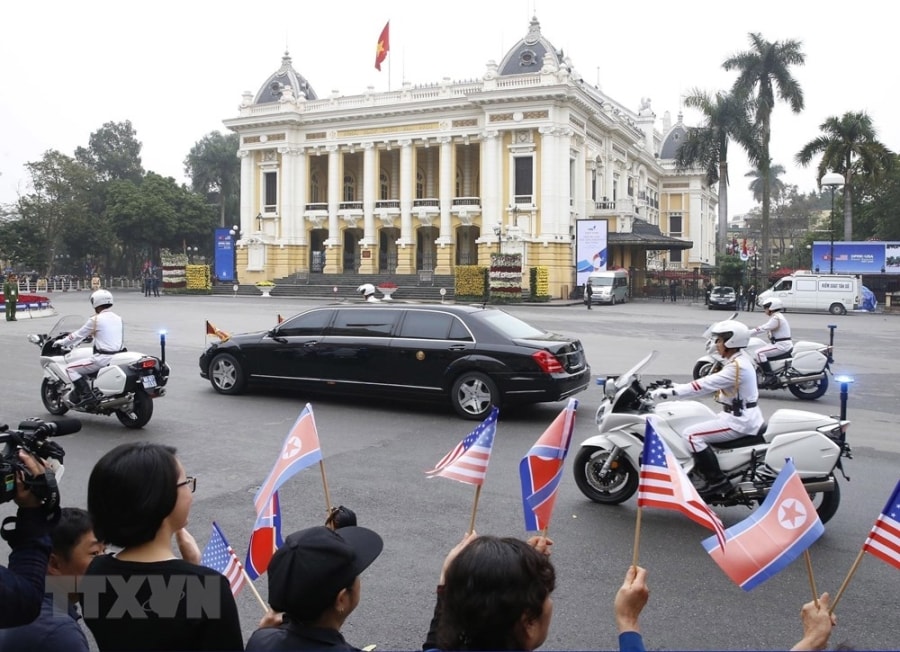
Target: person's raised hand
(24, 497)
(817, 624)
(631, 599)
(455, 550)
(271, 619)
(541, 543)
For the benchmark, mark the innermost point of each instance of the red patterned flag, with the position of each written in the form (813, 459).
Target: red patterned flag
(541, 469)
(884, 539)
(221, 557)
(212, 330)
(764, 543)
(383, 46)
(468, 462)
(300, 450)
(265, 538)
(664, 484)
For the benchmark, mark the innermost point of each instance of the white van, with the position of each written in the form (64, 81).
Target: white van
(609, 287)
(836, 293)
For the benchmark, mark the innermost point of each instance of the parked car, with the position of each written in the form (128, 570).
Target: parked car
(472, 356)
(723, 297)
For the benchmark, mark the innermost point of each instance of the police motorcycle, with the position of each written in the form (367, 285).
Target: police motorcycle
(803, 371)
(607, 464)
(126, 387)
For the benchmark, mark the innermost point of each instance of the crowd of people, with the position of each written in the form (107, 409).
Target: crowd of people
(493, 593)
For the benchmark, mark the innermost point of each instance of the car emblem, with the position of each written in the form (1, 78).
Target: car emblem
(420, 355)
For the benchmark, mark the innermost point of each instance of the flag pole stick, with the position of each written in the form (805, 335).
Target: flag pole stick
(253, 588)
(840, 592)
(325, 487)
(812, 580)
(474, 509)
(637, 537)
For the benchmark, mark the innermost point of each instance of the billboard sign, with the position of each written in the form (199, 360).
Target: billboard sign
(223, 257)
(875, 257)
(590, 248)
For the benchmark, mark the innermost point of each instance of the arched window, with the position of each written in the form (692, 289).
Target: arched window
(420, 183)
(314, 188)
(385, 184)
(349, 187)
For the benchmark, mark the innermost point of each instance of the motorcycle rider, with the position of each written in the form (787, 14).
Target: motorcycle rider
(368, 292)
(108, 332)
(735, 388)
(779, 331)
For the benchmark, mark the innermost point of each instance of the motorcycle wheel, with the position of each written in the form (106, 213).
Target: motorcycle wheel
(810, 391)
(827, 502)
(140, 414)
(51, 397)
(619, 484)
(703, 368)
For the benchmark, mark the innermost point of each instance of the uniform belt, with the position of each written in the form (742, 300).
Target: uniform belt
(101, 352)
(728, 408)
(781, 339)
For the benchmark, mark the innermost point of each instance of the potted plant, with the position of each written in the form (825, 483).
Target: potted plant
(387, 288)
(266, 287)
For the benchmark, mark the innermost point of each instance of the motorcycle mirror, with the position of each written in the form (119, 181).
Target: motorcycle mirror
(34, 339)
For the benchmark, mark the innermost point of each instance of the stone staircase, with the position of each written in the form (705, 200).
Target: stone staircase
(410, 287)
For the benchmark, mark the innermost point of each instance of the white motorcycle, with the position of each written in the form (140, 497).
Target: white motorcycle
(803, 371)
(607, 465)
(126, 387)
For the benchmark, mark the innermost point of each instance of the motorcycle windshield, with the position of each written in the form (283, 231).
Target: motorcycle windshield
(66, 324)
(625, 379)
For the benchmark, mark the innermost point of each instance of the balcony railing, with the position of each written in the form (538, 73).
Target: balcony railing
(318, 206)
(350, 205)
(388, 203)
(466, 201)
(426, 203)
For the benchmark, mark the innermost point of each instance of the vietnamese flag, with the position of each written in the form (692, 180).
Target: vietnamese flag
(383, 46)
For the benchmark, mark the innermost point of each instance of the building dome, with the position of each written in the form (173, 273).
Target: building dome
(527, 56)
(284, 78)
(672, 141)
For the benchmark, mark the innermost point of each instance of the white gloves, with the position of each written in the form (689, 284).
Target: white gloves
(661, 393)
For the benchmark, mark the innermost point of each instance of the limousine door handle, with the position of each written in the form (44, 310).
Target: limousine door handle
(456, 347)
(310, 344)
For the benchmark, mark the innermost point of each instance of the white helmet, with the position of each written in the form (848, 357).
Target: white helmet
(773, 304)
(366, 289)
(736, 334)
(101, 298)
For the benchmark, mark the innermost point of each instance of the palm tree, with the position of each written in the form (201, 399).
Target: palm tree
(215, 171)
(763, 70)
(776, 185)
(848, 146)
(725, 118)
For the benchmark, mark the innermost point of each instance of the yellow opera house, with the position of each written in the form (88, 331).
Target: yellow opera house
(425, 178)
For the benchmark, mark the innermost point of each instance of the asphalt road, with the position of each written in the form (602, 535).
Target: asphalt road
(375, 455)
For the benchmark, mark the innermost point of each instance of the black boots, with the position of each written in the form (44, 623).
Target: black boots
(85, 394)
(708, 465)
(769, 380)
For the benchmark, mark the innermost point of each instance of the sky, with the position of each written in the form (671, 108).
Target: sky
(176, 70)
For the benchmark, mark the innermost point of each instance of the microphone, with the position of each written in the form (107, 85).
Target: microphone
(54, 428)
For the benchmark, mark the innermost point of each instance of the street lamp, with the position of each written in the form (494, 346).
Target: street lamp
(235, 233)
(498, 231)
(832, 180)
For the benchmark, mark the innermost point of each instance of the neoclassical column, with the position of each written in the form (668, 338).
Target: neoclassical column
(247, 191)
(370, 185)
(334, 193)
(491, 184)
(407, 178)
(301, 197)
(445, 190)
(286, 206)
(549, 203)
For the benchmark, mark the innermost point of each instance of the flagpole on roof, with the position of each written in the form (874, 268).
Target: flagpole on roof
(812, 580)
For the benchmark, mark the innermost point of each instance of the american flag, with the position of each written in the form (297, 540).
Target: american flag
(664, 484)
(884, 539)
(221, 557)
(468, 462)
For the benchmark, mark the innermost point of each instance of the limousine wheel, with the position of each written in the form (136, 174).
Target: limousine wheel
(473, 394)
(226, 374)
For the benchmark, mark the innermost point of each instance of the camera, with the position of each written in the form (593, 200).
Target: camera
(32, 436)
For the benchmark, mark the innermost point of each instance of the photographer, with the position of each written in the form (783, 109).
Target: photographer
(28, 535)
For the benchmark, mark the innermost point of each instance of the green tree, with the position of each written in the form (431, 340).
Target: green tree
(776, 185)
(113, 152)
(849, 146)
(726, 118)
(763, 71)
(875, 205)
(214, 169)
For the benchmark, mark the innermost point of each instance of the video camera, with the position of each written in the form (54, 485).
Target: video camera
(32, 437)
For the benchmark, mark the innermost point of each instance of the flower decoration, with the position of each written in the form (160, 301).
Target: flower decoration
(265, 284)
(387, 284)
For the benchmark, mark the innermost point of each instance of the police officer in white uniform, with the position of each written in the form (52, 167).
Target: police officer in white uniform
(107, 330)
(735, 388)
(779, 331)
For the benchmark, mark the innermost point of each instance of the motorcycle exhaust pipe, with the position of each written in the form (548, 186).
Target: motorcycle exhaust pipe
(749, 490)
(796, 380)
